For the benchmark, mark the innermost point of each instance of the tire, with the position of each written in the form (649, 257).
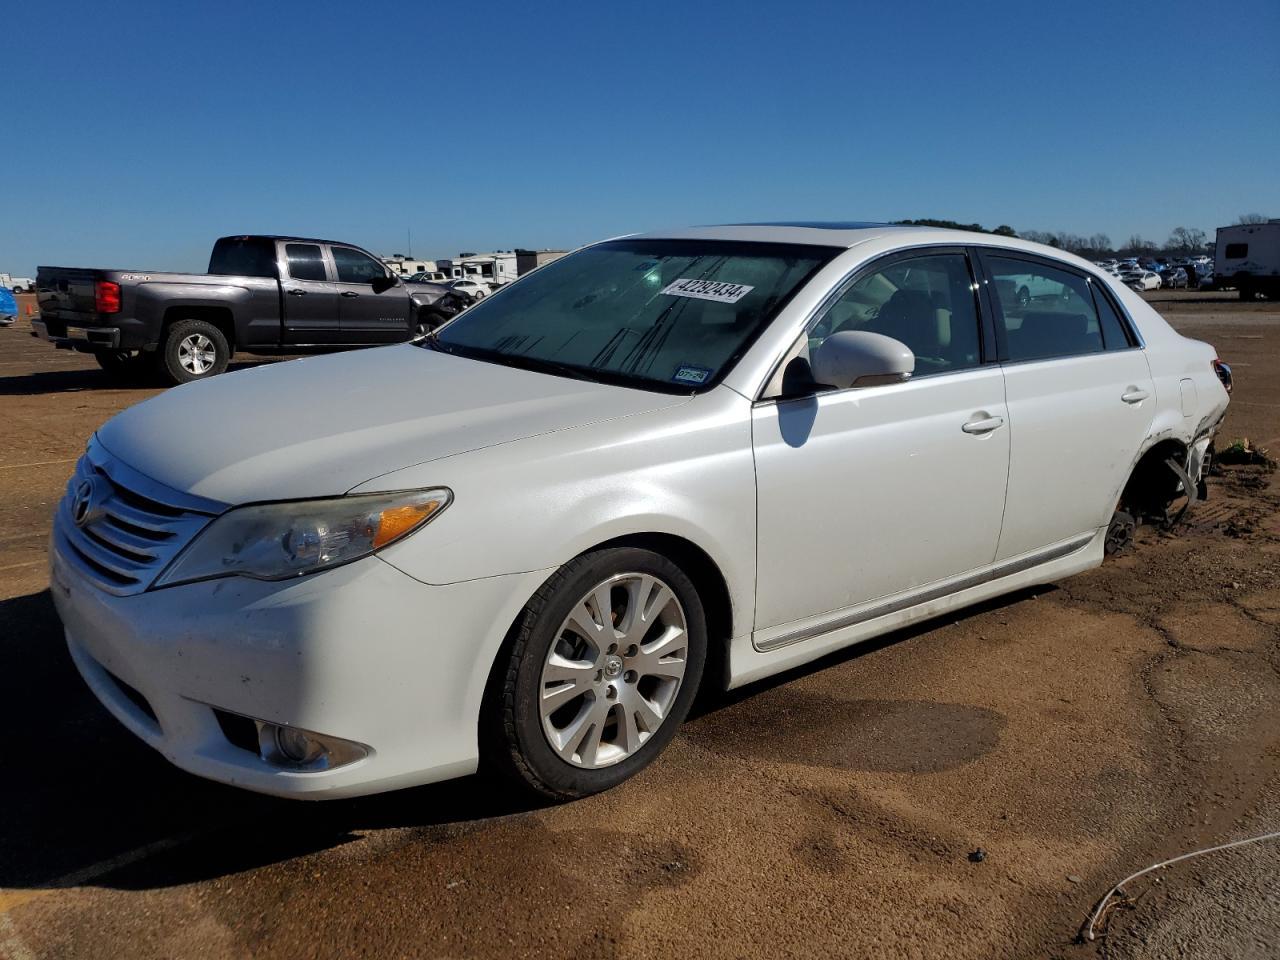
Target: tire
(590, 690)
(1246, 293)
(128, 366)
(193, 350)
(427, 321)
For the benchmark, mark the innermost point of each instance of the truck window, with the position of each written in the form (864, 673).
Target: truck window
(1236, 251)
(355, 267)
(243, 257)
(306, 262)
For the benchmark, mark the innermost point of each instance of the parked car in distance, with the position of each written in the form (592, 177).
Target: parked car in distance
(17, 284)
(428, 276)
(477, 289)
(694, 457)
(8, 307)
(1144, 280)
(1174, 277)
(262, 294)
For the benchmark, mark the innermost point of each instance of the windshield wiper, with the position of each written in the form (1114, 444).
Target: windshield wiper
(540, 363)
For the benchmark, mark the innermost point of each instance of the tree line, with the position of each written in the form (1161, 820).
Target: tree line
(1182, 241)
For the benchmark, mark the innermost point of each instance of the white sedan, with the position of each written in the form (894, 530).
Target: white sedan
(474, 287)
(661, 463)
(1144, 280)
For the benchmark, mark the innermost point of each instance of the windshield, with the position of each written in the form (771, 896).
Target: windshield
(658, 314)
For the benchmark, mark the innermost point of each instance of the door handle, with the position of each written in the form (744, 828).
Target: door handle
(983, 425)
(350, 293)
(297, 293)
(1134, 395)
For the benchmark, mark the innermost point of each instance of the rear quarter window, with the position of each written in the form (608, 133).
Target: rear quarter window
(243, 257)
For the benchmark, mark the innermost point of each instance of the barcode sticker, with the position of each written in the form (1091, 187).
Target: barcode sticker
(716, 290)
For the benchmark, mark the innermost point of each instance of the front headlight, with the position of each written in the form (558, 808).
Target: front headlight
(276, 541)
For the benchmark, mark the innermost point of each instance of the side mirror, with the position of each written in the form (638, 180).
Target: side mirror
(382, 284)
(859, 358)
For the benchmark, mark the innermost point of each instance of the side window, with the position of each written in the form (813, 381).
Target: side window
(356, 267)
(244, 257)
(1115, 335)
(306, 262)
(926, 302)
(1236, 251)
(1046, 312)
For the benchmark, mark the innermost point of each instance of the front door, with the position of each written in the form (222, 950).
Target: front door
(309, 299)
(370, 313)
(873, 492)
(1081, 399)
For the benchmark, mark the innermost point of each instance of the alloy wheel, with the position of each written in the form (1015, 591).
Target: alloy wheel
(613, 671)
(196, 353)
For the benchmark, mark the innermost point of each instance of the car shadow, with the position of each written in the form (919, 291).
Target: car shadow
(86, 803)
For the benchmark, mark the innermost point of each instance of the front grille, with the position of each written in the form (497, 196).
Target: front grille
(121, 537)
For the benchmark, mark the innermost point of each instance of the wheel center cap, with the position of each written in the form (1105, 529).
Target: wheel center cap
(612, 667)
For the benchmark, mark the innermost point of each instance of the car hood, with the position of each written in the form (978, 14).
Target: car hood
(322, 425)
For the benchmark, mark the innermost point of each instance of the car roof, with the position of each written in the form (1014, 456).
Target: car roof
(851, 234)
(286, 239)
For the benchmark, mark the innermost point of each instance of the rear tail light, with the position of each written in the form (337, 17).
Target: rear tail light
(106, 296)
(1224, 373)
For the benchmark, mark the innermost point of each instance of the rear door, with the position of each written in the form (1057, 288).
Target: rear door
(1080, 396)
(370, 311)
(309, 299)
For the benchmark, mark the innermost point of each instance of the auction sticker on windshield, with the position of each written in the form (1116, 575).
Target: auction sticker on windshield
(716, 290)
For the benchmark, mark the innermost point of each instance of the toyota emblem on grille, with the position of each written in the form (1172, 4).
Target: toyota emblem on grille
(84, 503)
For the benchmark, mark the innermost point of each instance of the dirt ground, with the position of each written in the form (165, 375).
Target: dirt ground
(1074, 733)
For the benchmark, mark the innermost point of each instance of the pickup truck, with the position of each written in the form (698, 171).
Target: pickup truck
(262, 295)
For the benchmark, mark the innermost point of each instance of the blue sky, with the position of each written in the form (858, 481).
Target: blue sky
(154, 128)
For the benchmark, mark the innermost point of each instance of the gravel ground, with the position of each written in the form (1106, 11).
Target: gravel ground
(1075, 733)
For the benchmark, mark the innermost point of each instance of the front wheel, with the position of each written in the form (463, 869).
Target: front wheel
(194, 350)
(602, 668)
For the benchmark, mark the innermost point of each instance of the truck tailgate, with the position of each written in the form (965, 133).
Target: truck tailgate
(65, 293)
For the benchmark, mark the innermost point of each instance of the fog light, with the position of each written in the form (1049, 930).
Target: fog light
(295, 746)
(301, 749)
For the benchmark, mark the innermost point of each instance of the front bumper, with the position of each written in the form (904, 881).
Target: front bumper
(362, 652)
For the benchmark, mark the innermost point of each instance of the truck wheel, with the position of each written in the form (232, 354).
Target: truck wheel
(428, 320)
(194, 350)
(124, 365)
(601, 669)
